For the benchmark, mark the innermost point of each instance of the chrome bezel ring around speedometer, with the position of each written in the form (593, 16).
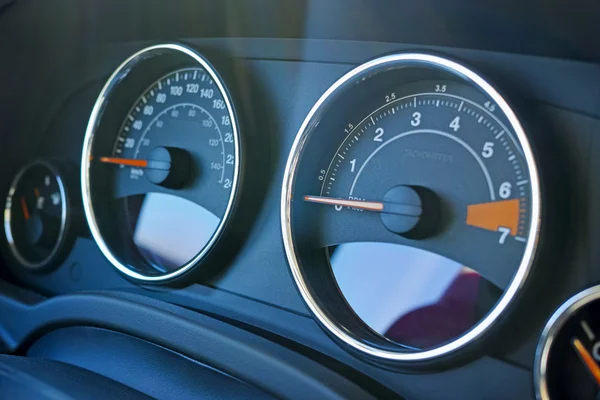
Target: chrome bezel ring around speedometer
(98, 110)
(354, 77)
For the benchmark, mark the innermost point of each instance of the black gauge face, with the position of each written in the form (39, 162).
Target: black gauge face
(413, 209)
(35, 216)
(161, 192)
(568, 356)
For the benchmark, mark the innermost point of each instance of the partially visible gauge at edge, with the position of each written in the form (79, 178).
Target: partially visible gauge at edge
(36, 215)
(411, 208)
(159, 187)
(567, 359)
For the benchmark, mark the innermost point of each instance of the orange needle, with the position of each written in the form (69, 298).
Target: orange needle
(361, 205)
(25, 209)
(587, 359)
(36, 192)
(125, 161)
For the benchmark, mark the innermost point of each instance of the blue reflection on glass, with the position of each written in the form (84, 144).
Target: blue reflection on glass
(409, 295)
(170, 230)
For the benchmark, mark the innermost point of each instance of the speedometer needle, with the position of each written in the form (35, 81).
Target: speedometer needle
(587, 359)
(130, 162)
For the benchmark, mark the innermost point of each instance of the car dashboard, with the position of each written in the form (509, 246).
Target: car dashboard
(301, 199)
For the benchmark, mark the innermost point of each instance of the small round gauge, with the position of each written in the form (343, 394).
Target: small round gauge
(161, 163)
(36, 215)
(411, 208)
(567, 361)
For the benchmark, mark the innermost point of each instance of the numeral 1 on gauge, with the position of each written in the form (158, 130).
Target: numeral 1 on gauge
(353, 165)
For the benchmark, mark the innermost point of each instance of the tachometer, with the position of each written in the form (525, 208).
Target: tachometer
(160, 171)
(410, 208)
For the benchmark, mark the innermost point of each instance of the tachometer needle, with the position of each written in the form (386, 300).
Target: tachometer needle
(359, 204)
(376, 206)
(25, 209)
(587, 359)
(125, 161)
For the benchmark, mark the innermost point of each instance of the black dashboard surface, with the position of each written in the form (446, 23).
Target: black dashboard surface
(277, 60)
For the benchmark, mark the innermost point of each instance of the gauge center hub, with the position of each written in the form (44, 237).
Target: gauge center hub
(412, 212)
(169, 167)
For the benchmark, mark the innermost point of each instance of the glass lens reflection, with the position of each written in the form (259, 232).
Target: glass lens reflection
(411, 296)
(169, 231)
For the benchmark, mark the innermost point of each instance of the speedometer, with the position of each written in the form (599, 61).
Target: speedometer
(411, 208)
(161, 163)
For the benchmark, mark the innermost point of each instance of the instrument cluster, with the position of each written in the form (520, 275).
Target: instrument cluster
(414, 206)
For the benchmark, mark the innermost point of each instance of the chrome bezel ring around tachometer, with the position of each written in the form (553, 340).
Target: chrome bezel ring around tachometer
(64, 217)
(552, 328)
(483, 326)
(94, 122)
